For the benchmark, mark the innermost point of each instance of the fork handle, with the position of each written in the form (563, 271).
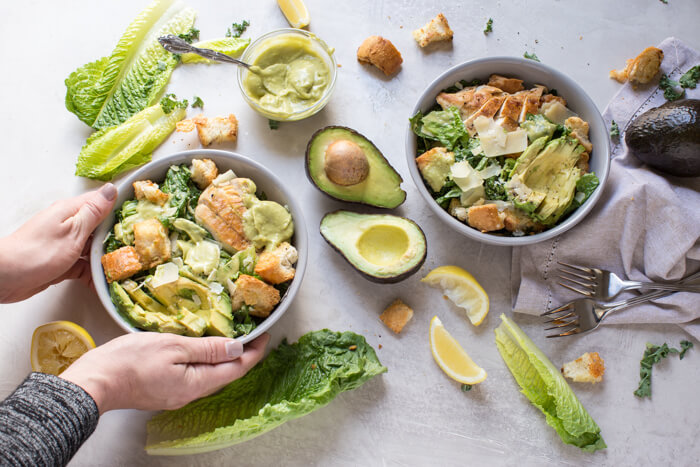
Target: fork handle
(634, 285)
(651, 295)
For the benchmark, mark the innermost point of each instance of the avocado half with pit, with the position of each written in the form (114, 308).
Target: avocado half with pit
(383, 247)
(347, 166)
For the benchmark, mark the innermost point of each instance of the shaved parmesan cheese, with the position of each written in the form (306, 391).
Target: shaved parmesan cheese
(165, 274)
(197, 301)
(469, 181)
(556, 112)
(216, 288)
(490, 171)
(494, 139)
(224, 178)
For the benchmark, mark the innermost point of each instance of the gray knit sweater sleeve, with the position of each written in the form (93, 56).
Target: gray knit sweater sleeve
(44, 422)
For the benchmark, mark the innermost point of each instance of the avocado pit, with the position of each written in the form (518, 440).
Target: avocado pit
(346, 163)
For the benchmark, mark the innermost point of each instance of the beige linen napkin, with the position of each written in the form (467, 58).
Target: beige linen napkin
(645, 226)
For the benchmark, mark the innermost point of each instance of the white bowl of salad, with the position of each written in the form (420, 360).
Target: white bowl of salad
(202, 242)
(507, 151)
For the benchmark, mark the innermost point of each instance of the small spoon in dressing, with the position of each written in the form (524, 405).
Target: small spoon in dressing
(178, 45)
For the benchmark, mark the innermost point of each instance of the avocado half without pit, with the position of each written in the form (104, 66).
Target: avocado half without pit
(347, 166)
(382, 247)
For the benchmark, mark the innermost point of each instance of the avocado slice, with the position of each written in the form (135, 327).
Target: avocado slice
(194, 324)
(345, 165)
(667, 138)
(543, 183)
(382, 247)
(538, 126)
(140, 317)
(179, 291)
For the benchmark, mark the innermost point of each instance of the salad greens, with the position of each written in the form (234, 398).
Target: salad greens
(669, 88)
(531, 56)
(190, 36)
(614, 129)
(170, 102)
(690, 78)
(117, 148)
(273, 124)
(542, 383)
(184, 194)
(109, 91)
(489, 26)
(293, 381)
(653, 355)
(197, 102)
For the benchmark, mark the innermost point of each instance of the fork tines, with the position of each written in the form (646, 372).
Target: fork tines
(577, 279)
(563, 318)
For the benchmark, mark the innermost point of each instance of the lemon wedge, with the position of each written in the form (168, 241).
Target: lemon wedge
(295, 11)
(57, 344)
(451, 357)
(464, 291)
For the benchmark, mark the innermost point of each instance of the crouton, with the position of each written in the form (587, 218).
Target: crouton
(185, 126)
(121, 263)
(151, 242)
(147, 190)
(216, 129)
(588, 368)
(518, 222)
(396, 315)
(582, 162)
(381, 53)
(642, 68)
(434, 166)
(579, 130)
(457, 210)
(277, 266)
(204, 172)
(260, 297)
(509, 85)
(437, 29)
(485, 218)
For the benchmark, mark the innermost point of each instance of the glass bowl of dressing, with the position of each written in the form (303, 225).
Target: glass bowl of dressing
(292, 75)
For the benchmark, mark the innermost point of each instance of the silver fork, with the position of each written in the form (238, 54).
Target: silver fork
(605, 285)
(584, 314)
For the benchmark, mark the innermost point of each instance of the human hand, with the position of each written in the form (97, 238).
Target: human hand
(50, 247)
(153, 371)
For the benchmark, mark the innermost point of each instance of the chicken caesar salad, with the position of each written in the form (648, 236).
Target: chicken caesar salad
(504, 159)
(200, 254)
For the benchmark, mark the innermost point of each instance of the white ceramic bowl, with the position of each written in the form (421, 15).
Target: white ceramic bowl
(531, 72)
(265, 181)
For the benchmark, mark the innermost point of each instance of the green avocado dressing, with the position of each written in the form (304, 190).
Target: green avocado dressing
(266, 223)
(287, 75)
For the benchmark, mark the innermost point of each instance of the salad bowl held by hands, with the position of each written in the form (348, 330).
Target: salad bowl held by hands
(481, 138)
(265, 181)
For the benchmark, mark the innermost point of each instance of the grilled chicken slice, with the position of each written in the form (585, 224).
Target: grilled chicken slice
(220, 210)
(488, 110)
(510, 85)
(468, 100)
(531, 103)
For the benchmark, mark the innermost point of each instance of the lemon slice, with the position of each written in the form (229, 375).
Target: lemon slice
(57, 344)
(295, 11)
(451, 357)
(464, 291)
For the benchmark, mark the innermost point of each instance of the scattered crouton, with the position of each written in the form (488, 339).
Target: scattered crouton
(579, 130)
(204, 172)
(381, 53)
(121, 263)
(588, 368)
(509, 85)
(185, 126)
(147, 190)
(260, 297)
(436, 30)
(151, 242)
(216, 129)
(641, 69)
(485, 218)
(457, 210)
(396, 315)
(277, 266)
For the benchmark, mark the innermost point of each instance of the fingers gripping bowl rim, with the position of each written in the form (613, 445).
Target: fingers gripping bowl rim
(531, 72)
(264, 179)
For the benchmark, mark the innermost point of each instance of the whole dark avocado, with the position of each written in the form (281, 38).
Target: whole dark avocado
(667, 138)
(384, 248)
(346, 166)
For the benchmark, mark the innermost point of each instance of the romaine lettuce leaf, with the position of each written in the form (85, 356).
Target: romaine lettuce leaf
(115, 149)
(231, 46)
(445, 126)
(543, 384)
(292, 381)
(112, 89)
